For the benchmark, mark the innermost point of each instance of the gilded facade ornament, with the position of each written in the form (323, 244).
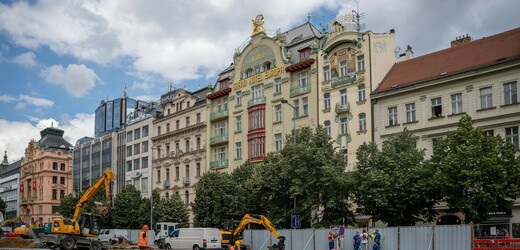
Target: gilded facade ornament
(258, 24)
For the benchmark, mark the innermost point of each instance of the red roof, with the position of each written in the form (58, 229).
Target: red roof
(499, 48)
(299, 65)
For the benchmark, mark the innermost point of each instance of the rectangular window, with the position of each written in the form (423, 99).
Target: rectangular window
(278, 113)
(304, 54)
(62, 194)
(342, 68)
(137, 134)
(129, 136)
(512, 137)
(343, 98)
(362, 122)
(55, 180)
(198, 169)
(129, 151)
(62, 180)
(198, 118)
(55, 164)
(326, 73)
(361, 93)
(257, 92)
(187, 170)
(392, 116)
(177, 173)
(296, 108)
(168, 128)
(305, 105)
(144, 162)
(510, 93)
(326, 101)
(128, 166)
(177, 124)
(145, 131)
(277, 142)
(410, 112)
(238, 150)
(54, 194)
(238, 123)
(278, 85)
(144, 185)
(327, 128)
(144, 147)
(361, 62)
(239, 98)
(456, 103)
(302, 79)
(486, 98)
(344, 125)
(137, 148)
(159, 130)
(436, 107)
(187, 121)
(62, 167)
(137, 164)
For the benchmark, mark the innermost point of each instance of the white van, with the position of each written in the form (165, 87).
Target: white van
(110, 236)
(194, 238)
(162, 230)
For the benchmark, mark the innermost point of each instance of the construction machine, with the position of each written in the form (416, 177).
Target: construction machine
(229, 237)
(81, 230)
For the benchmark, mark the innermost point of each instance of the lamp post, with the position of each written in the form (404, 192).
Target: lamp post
(294, 132)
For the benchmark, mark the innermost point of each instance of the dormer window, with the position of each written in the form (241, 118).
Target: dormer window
(267, 66)
(250, 72)
(224, 84)
(304, 53)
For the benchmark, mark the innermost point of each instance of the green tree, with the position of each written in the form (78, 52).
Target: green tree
(172, 209)
(477, 174)
(3, 206)
(393, 185)
(242, 202)
(129, 209)
(68, 205)
(213, 200)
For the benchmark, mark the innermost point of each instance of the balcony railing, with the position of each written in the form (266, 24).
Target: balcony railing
(218, 139)
(166, 183)
(342, 108)
(256, 101)
(219, 114)
(218, 164)
(186, 180)
(349, 78)
(298, 90)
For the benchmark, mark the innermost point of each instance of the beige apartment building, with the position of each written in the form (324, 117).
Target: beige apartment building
(351, 65)
(138, 161)
(45, 176)
(179, 144)
(429, 94)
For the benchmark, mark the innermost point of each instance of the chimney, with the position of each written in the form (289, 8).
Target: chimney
(461, 40)
(409, 52)
(392, 31)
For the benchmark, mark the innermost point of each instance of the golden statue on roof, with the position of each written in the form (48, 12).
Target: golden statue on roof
(258, 24)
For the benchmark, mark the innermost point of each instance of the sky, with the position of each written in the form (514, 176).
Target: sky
(59, 59)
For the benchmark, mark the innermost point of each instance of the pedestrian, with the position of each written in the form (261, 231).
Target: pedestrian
(357, 241)
(364, 240)
(377, 241)
(331, 240)
(143, 238)
(236, 246)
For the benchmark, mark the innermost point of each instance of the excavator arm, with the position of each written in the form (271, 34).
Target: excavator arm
(255, 219)
(105, 181)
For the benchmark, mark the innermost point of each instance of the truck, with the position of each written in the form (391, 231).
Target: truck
(80, 231)
(229, 237)
(163, 230)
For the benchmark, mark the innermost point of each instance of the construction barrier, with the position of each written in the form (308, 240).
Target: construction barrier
(496, 244)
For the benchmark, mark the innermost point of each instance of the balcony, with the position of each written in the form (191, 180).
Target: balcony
(166, 183)
(218, 164)
(256, 101)
(349, 78)
(219, 114)
(342, 108)
(300, 90)
(218, 139)
(186, 180)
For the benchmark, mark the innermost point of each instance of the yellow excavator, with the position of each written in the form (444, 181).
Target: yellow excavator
(230, 237)
(81, 231)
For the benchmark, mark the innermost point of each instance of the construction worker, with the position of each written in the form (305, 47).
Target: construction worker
(143, 238)
(330, 239)
(236, 246)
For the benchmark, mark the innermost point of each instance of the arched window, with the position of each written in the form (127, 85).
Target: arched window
(198, 143)
(187, 145)
(250, 72)
(267, 66)
(167, 195)
(187, 197)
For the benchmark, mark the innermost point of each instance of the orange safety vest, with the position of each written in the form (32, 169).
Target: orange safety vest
(234, 248)
(143, 239)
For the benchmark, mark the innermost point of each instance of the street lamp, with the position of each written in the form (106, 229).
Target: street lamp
(294, 118)
(294, 132)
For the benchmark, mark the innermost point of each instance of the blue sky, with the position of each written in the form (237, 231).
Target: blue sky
(59, 59)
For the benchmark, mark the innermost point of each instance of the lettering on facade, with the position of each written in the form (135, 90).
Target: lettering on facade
(258, 77)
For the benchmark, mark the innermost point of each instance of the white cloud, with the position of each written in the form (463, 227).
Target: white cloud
(16, 138)
(146, 98)
(36, 101)
(26, 59)
(7, 98)
(76, 79)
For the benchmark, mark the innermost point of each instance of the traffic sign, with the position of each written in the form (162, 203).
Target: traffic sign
(341, 230)
(295, 220)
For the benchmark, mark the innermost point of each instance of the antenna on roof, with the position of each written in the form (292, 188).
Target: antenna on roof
(309, 17)
(124, 92)
(323, 28)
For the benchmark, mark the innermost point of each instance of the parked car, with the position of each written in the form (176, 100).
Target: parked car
(110, 236)
(194, 238)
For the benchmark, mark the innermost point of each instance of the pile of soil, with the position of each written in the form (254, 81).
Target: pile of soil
(16, 242)
(122, 242)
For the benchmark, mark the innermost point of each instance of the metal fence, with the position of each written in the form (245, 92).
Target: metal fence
(456, 237)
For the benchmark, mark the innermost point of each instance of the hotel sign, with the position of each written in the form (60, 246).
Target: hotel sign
(259, 77)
